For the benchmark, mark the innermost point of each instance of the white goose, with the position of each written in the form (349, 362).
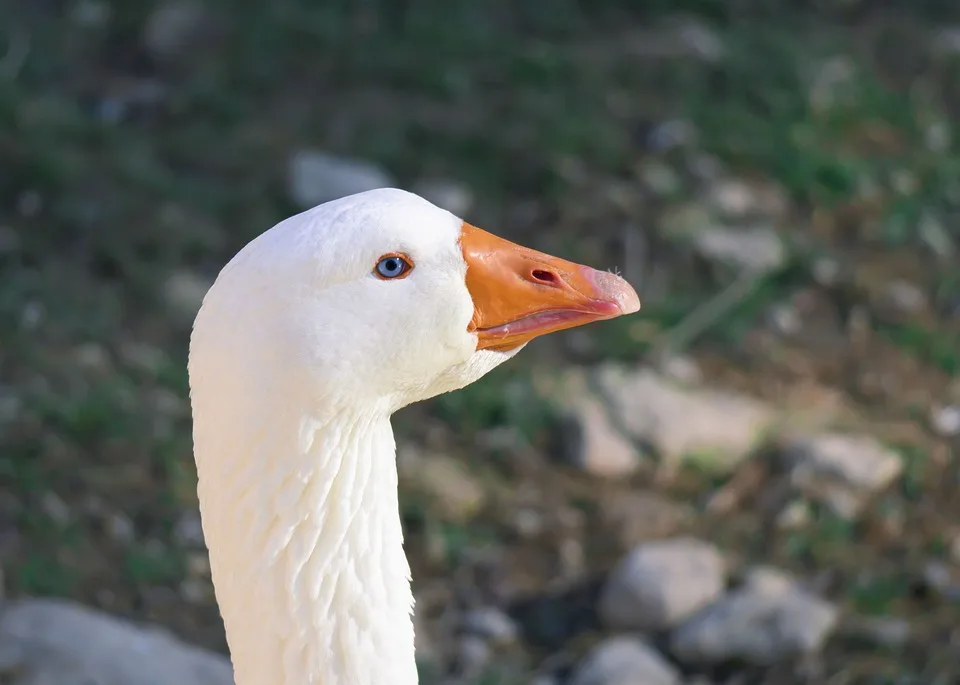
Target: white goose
(311, 337)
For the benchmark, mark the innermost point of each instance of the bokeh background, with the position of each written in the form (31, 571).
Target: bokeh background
(752, 481)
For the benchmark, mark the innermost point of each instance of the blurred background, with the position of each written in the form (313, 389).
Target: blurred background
(752, 481)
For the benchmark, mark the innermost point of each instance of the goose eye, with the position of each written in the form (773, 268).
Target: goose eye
(393, 266)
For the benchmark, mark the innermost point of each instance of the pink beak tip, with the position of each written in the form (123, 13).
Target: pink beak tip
(613, 288)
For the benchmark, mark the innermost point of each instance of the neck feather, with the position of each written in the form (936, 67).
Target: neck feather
(306, 549)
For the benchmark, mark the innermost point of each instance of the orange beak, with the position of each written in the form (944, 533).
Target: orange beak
(519, 293)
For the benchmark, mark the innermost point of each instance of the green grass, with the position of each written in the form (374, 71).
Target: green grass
(877, 594)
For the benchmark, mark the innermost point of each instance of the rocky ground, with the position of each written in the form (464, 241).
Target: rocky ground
(752, 482)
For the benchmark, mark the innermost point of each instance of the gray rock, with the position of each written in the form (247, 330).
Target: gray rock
(681, 370)
(764, 622)
(941, 579)
(826, 271)
(491, 624)
(52, 642)
(120, 527)
(766, 580)
(473, 654)
(317, 177)
(906, 297)
(785, 319)
(593, 444)
(716, 429)
(624, 661)
(841, 470)
(881, 631)
(659, 584)
(946, 420)
(454, 197)
(757, 249)
(732, 197)
(586, 437)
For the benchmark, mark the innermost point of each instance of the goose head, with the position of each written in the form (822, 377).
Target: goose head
(382, 299)
(310, 338)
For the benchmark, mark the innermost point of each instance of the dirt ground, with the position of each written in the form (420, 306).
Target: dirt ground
(143, 146)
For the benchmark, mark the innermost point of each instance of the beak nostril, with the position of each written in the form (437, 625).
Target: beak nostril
(546, 277)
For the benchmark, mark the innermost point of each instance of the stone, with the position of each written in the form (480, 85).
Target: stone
(841, 470)
(940, 579)
(905, 297)
(757, 249)
(795, 515)
(681, 370)
(473, 654)
(454, 197)
(491, 624)
(716, 429)
(946, 420)
(785, 319)
(732, 197)
(316, 177)
(881, 631)
(624, 661)
(826, 271)
(659, 584)
(47, 642)
(762, 623)
(766, 580)
(592, 444)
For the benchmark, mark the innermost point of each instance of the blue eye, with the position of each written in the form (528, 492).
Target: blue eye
(393, 266)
